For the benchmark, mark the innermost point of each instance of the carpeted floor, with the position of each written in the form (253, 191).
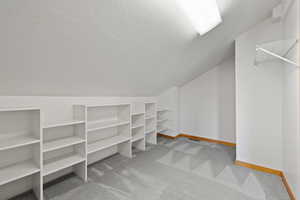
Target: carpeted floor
(172, 170)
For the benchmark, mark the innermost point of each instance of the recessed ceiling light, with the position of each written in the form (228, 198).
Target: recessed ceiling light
(204, 14)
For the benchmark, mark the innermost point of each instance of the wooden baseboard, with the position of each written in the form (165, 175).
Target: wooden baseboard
(207, 140)
(166, 136)
(288, 187)
(270, 171)
(199, 139)
(259, 168)
(240, 163)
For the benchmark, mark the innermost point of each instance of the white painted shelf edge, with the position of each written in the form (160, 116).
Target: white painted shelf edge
(134, 139)
(162, 130)
(61, 163)
(69, 123)
(104, 105)
(149, 131)
(18, 109)
(17, 171)
(61, 143)
(109, 124)
(150, 117)
(134, 114)
(163, 110)
(137, 126)
(162, 120)
(106, 143)
(18, 141)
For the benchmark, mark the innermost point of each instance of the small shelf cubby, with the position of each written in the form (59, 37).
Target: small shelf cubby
(138, 126)
(163, 119)
(20, 151)
(150, 123)
(64, 147)
(108, 130)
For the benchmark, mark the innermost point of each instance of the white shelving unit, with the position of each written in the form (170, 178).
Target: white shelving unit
(32, 154)
(165, 122)
(162, 120)
(64, 147)
(108, 131)
(20, 151)
(138, 126)
(150, 122)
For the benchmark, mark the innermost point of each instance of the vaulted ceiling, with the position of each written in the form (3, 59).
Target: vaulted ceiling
(112, 47)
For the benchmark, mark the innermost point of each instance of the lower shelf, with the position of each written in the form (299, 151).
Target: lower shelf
(61, 143)
(134, 139)
(17, 171)
(150, 131)
(106, 143)
(17, 142)
(54, 165)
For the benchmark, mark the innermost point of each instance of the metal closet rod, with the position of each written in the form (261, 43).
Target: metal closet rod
(277, 56)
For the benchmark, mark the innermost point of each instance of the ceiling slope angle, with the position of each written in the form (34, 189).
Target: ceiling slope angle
(114, 48)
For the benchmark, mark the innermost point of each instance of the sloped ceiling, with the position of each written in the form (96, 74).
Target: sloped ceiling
(112, 47)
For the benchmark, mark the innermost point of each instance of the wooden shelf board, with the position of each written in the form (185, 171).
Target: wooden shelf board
(106, 143)
(12, 109)
(162, 130)
(149, 131)
(17, 171)
(104, 105)
(62, 162)
(134, 114)
(150, 117)
(163, 110)
(69, 123)
(62, 143)
(137, 126)
(17, 141)
(134, 139)
(161, 120)
(98, 125)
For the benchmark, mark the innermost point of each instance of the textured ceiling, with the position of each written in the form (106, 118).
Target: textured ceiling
(112, 47)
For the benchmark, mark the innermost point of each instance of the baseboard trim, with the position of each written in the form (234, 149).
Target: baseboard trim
(259, 168)
(241, 163)
(288, 187)
(207, 140)
(166, 136)
(199, 139)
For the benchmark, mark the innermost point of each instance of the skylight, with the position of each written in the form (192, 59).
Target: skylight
(204, 14)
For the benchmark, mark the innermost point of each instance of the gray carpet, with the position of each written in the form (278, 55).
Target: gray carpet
(173, 170)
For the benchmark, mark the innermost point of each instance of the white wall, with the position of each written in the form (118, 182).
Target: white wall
(207, 104)
(57, 109)
(170, 99)
(258, 100)
(291, 138)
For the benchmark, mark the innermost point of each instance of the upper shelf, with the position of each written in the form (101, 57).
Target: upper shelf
(9, 109)
(67, 123)
(98, 125)
(104, 105)
(280, 49)
(162, 110)
(15, 142)
(17, 171)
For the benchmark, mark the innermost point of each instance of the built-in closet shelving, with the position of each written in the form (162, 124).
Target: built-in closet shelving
(150, 123)
(33, 153)
(108, 127)
(162, 120)
(64, 146)
(20, 151)
(138, 126)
